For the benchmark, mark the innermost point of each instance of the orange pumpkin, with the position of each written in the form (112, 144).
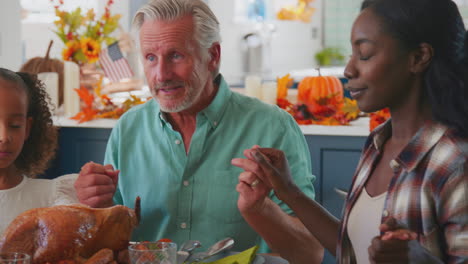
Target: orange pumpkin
(323, 95)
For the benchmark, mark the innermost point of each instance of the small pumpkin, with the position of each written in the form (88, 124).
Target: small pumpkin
(323, 95)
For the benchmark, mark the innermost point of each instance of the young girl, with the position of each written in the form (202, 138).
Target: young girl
(408, 202)
(28, 141)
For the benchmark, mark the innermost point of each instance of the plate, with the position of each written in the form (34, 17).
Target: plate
(259, 259)
(273, 259)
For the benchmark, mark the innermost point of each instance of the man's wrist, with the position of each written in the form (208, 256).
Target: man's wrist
(261, 207)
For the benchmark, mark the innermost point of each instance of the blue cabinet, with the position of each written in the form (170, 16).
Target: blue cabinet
(334, 160)
(78, 146)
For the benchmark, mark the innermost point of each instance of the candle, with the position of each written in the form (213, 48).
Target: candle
(269, 92)
(51, 82)
(253, 86)
(71, 81)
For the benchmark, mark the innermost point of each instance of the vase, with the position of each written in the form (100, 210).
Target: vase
(90, 75)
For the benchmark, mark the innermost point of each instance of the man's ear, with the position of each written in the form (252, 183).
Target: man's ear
(215, 56)
(421, 58)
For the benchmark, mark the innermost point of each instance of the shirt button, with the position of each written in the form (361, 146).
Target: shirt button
(183, 225)
(215, 123)
(394, 165)
(385, 213)
(186, 183)
(177, 142)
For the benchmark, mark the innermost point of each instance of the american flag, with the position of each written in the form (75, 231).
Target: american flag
(114, 64)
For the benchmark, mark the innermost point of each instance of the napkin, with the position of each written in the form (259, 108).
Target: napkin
(244, 257)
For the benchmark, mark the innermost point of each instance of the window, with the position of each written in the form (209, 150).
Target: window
(463, 7)
(42, 11)
(259, 10)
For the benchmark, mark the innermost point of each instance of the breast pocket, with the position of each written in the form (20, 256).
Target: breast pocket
(223, 196)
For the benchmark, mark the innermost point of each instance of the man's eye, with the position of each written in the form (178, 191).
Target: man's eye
(176, 56)
(15, 126)
(364, 58)
(151, 58)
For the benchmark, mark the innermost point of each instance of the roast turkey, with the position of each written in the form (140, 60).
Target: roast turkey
(70, 232)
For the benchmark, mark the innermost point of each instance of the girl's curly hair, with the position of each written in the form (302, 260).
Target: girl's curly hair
(40, 147)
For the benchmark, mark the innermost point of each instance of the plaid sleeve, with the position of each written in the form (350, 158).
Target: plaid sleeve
(453, 216)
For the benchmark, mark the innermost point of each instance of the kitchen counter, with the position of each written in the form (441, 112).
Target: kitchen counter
(358, 127)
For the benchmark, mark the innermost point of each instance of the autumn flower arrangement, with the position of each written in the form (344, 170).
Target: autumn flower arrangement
(84, 33)
(96, 105)
(378, 118)
(331, 109)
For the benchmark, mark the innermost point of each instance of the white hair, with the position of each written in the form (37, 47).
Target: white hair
(206, 24)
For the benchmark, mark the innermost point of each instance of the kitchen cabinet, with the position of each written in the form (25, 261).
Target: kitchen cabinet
(77, 146)
(334, 160)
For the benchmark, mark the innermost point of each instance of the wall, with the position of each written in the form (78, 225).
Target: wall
(340, 14)
(10, 34)
(293, 45)
(36, 33)
(339, 17)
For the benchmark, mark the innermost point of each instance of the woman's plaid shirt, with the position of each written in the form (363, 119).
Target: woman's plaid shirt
(428, 193)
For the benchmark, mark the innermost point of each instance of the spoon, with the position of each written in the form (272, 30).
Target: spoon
(217, 248)
(186, 250)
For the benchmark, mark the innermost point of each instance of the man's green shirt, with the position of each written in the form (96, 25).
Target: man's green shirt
(193, 196)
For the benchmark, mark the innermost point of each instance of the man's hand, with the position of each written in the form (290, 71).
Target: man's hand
(397, 245)
(96, 185)
(265, 169)
(252, 190)
(271, 167)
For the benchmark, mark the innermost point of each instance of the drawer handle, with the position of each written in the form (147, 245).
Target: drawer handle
(341, 193)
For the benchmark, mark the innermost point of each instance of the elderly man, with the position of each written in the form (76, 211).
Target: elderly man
(175, 151)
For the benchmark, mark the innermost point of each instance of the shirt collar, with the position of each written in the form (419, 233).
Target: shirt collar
(382, 133)
(215, 109)
(421, 143)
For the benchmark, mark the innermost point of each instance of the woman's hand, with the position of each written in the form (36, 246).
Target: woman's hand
(398, 245)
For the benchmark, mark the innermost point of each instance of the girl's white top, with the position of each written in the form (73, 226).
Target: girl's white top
(35, 193)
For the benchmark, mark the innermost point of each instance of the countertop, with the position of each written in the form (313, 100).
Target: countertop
(359, 127)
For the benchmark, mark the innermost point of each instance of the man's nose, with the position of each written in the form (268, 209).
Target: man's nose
(163, 71)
